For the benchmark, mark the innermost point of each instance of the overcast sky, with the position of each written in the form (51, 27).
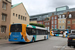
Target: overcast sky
(34, 7)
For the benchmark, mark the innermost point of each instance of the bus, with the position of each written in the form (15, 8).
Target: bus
(57, 32)
(26, 33)
(65, 33)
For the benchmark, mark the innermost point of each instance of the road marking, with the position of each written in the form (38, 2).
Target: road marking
(62, 48)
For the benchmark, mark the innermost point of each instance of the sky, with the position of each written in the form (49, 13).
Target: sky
(35, 7)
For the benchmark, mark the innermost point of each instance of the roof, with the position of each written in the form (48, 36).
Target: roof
(15, 5)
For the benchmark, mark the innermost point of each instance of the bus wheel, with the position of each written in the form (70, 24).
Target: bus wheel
(33, 40)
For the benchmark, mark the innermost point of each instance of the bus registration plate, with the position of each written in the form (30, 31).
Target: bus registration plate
(15, 39)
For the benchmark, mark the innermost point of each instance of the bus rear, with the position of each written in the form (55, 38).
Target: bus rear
(15, 33)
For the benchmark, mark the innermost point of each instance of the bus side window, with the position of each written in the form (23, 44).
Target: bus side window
(36, 31)
(33, 31)
(29, 31)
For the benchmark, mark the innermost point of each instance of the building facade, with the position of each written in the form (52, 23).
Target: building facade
(62, 21)
(33, 22)
(54, 22)
(5, 15)
(19, 14)
(70, 20)
(47, 23)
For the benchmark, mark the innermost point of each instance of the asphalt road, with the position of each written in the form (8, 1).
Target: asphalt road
(53, 43)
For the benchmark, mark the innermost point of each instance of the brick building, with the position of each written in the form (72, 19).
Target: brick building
(40, 22)
(70, 20)
(54, 22)
(5, 13)
(47, 23)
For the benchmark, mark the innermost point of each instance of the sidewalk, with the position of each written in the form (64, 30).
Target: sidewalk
(3, 41)
(69, 48)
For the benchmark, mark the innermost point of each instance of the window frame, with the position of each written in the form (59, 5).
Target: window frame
(4, 5)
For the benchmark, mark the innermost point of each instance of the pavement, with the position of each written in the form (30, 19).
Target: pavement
(3, 41)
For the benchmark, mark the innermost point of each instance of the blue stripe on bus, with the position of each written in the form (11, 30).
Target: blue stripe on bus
(56, 34)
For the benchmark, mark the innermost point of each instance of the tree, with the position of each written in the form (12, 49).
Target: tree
(39, 25)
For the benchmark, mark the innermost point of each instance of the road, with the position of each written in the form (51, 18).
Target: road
(53, 43)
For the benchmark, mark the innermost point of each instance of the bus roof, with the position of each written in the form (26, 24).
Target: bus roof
(31, 26)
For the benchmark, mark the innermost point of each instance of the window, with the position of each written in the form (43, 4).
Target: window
(4, 5)
(19, 17)
(4, 17)
(73, 21)
(13, 14)
(25, 18)
(40, 16)
(63, 16)
(55, 26)
(40, 22)
(48, 23)
(55, 17)
(52, 22)
(47, 15)
(59, 21)
(63, 27)
(52, 17)
(52, 26)
(48, 28)
(55, 22)
(69, 27)
(29, 31)
(3, 29)
(68, 22)
(60, 27)
(16, 15)
(59, 16)
(32, 31)
(45, 23)
(70, 15)
(16, 28)
(63, 21)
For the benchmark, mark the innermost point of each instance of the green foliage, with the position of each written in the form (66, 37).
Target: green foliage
(39, 25)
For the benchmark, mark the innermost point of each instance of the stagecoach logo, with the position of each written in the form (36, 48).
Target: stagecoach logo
(15, 36)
